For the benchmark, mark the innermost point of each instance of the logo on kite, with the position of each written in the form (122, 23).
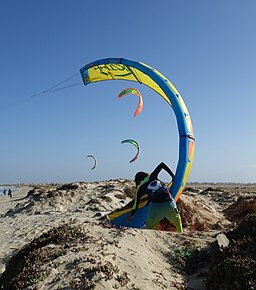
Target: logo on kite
(136, 145)
(133, 91)
(95, 161)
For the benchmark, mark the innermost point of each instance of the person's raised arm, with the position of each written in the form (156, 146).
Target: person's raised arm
(159, 167)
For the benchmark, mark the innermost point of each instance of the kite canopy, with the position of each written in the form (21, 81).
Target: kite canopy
(133, 91)
(124, 69)
(95, 161)
(133, 142)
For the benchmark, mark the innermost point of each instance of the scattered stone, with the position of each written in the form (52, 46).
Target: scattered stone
(222, 241)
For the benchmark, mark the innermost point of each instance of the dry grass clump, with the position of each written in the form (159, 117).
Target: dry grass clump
(26, 267)
(120, 196)
(242, 207)
(90, 276)
(234, 267)
(192, 217)
(130, 191)
(34, 262)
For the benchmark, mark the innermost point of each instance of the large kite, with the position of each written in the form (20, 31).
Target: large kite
(124, 69)
(133, 91)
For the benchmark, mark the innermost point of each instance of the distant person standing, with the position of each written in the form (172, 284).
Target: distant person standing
(4, 192)
(10, 193)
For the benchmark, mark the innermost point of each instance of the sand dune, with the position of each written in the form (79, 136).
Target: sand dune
(71, 246)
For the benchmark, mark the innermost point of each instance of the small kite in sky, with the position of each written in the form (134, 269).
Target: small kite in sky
(135, 144)
(95, 161)
(133, 91)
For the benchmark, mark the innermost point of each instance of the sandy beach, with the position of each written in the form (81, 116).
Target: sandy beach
(74, 247)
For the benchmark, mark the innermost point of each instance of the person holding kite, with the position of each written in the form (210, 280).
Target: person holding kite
(160, 202)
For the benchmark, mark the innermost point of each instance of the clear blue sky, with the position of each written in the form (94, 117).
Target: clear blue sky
(205, 48)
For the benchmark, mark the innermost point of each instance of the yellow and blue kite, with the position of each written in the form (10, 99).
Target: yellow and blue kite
(124, 69)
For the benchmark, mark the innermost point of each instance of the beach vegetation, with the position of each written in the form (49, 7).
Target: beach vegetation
(27, 267)
(232, 267)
